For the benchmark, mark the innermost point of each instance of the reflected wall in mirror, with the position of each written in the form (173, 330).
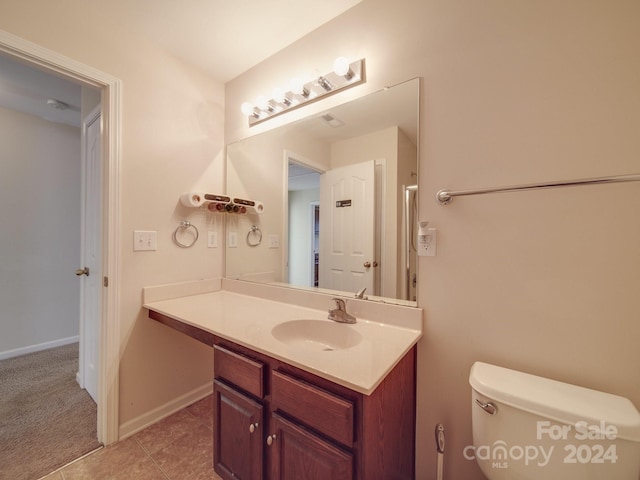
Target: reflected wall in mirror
(339, 192)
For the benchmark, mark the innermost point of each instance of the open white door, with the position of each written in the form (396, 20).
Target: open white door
(347, 224)
(91, 257)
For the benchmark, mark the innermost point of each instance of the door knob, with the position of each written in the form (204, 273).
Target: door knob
(367, 264)
(82, 271)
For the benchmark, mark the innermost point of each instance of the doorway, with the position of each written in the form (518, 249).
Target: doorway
(303, 223)
(33, 55)
(40, 207)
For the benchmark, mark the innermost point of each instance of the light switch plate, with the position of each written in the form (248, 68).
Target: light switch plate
(212, 239)
(233, 240)
(144, 240)
(272, 241)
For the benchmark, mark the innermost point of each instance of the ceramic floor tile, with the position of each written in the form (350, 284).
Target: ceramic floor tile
(145, 469)
(180, 447)
(189, 455)
(162, 433)
(203, 410)
(53, 476)
(205, 474)
(106, 463)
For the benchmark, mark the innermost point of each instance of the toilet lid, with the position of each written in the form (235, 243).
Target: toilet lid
(555, 400)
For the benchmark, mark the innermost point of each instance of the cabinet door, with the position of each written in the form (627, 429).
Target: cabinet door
(295, 454)
(237, 435)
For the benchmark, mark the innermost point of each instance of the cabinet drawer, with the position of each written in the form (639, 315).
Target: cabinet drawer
(317, 408)
(239, 370)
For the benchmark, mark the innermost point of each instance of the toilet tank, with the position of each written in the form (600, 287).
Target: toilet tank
(527, 427)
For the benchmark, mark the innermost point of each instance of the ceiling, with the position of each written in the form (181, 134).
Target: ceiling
(224, 38)
(26, 89)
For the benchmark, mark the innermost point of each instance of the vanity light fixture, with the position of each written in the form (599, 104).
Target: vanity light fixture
(264, 104)
(324, 83)
(298, 87)
(279, 96)
(341, 67)
(249, 110)
(344, 75)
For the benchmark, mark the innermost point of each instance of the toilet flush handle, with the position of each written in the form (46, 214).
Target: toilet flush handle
(488, 407)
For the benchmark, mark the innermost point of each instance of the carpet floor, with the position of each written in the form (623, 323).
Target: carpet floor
(46, 419)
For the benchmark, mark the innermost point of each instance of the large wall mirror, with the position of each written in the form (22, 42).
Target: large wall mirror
(340, 199)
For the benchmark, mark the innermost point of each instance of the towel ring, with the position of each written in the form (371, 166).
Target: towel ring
(254, 236)
(185, 225)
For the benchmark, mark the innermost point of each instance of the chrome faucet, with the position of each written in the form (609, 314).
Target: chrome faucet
(339, 314)
(360, 293)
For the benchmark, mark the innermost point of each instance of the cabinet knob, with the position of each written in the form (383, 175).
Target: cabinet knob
(270, 439)
(252, 427)
(366, 264)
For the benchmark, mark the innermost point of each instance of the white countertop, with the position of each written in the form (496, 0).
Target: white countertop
(248, 321)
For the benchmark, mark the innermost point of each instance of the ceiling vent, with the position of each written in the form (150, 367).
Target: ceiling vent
(332, 121)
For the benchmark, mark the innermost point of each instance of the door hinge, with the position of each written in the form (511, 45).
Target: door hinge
(105, 281)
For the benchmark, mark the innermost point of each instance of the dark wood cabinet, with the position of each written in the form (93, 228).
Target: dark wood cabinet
(237, 438)
(275, 421)
(296, 454)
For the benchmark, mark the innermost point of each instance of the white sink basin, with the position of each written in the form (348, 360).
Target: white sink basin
(318, 335)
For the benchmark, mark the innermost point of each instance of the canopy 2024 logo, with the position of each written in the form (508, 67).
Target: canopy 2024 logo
(500, 453)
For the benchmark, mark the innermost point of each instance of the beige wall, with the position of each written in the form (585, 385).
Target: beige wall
(512, 92)
(172, 142)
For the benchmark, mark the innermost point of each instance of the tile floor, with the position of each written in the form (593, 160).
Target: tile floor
(180, 447)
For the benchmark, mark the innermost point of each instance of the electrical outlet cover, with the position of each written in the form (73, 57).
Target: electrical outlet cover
(427, 243)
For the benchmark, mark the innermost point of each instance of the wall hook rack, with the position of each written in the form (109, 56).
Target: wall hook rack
(221, 203)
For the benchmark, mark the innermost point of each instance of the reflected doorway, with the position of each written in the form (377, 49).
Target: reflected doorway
(303, 206)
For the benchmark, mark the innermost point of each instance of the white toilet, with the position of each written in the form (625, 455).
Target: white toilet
(532, 428)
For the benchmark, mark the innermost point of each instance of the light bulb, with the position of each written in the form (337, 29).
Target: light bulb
(297, 86)
(262, 102)
(342, 67)
(247, 109)
(280, 96)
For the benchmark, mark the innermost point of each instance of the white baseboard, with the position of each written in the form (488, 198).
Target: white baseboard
(36, 348)
(143, 421)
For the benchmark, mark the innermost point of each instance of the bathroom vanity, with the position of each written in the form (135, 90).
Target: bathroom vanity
(300, 396)
(273, 420)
